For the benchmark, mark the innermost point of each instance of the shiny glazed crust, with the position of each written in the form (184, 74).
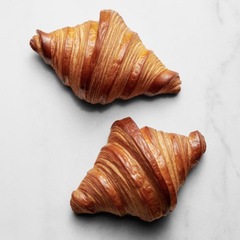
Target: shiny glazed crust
(105, 60)
(138, 172)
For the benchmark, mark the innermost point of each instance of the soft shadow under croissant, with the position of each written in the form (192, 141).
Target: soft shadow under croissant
(138, 172)
(105, 60)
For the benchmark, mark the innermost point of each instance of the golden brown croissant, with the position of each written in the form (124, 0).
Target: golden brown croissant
(138, 172)
(105, 60)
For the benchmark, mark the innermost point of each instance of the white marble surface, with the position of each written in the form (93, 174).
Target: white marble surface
(49, 139)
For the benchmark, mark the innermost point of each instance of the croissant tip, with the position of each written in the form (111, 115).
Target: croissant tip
(33, 44)
(35, 41)
(175, 82)
(81, 203)
(198, 146)
(41, 43)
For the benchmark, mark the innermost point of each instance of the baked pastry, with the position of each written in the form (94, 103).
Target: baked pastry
(105, 60)
(138, 172)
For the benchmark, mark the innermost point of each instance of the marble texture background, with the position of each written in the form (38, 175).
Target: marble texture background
(49, 139)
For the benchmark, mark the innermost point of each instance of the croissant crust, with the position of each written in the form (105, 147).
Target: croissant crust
(138, 172)
(102, 61)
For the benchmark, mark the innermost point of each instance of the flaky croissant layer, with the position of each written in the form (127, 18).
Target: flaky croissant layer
(138, 172)
(105, 60)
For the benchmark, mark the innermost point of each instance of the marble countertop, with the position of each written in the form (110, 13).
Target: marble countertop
(49, 139)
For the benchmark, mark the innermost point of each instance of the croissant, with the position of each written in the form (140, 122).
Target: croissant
(138, 172)
(105, 60)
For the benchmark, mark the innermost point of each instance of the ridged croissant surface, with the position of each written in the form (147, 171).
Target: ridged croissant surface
(138, 172)
(105, 60)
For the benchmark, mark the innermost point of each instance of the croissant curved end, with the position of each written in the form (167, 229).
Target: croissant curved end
(168, 81)
(198, 146)
(173, 80)
(41, 43)
(33, 43)
(82, 203)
